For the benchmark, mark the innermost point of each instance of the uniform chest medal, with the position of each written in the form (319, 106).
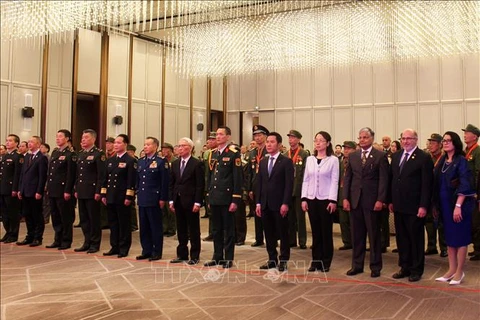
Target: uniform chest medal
(225, 159)
(153, 165)
(90, 158)
(122, 165)
(61, 158)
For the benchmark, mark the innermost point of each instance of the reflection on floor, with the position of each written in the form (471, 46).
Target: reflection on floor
(40, 283)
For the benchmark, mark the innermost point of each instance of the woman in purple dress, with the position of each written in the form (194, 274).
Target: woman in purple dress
(453, 199)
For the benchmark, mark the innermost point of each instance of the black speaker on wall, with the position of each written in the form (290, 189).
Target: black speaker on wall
(200, 126)
(118, 120)
(28, 112)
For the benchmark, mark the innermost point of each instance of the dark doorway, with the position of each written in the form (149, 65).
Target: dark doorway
(216, 120)
(86, 115)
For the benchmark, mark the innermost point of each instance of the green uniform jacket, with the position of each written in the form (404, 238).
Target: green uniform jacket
(474, 162)
(299, 170)
(253, 168)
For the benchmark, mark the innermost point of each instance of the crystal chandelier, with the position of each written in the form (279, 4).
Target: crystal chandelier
(218, 38)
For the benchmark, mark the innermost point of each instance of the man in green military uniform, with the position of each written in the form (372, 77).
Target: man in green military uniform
(432, 225)
(207, 160)
(472, 151)
(256, 155)
(169, 222)
(225, 193)
(296, 216)
(344, 216)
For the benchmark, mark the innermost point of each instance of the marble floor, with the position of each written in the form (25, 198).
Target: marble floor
(39, 283)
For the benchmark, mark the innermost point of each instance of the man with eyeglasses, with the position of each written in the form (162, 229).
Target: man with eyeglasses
(472, 151)
(365, 192)
(411, 173)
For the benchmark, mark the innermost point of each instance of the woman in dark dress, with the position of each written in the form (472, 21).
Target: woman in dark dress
(453, 201)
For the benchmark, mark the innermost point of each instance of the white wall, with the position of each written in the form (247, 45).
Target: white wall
(21, 64)
(59, 90)
(89, 61)
(430, 95)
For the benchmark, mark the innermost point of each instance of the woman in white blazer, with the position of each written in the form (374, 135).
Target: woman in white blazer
(319, 198)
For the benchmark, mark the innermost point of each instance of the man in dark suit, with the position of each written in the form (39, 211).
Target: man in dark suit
(90, 176)
(10, 169)
(118, 193)
(365, 192)
(412, 177)
(32, 188)
(152, 192)
(187, 184)
(225, 193)
(61, 179)
(273, 197)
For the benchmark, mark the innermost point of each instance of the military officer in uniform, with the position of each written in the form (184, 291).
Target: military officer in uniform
(296, 216)
(225, 193)
(62, 171)
(344, 216)
(152, 192)
(10, 169)
(207, 160)
(118, 193)
(169, 223)
(90, 176)
(256, 155)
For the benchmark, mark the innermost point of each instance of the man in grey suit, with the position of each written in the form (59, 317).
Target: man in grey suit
(365, 192)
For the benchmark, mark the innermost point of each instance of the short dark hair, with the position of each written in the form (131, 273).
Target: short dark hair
(38, 139)
(327, 137)
(131, 147)
(124, 138)
(66, 133)
(397, 144)
(277, 136)
(15, 138)
(91, 132)
(155, 140)
(46, 146)
(26, 143)
(338, 145)
(456, 141)
(228, 132)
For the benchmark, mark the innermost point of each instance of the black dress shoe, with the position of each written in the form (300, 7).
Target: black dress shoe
(92, 250)
(395, 251)
(53, 245)
(345, 248)
(77, 226)
(81, 249)
(475, 257)
(354, 271)
(375, 274)
(240, 243)
(204, 216)
(312, 269)
(143, 257)
(257, 244)
(472, 253)
(192, 262)
(24, 242)
(293, 245)
(169, 234)
(302, 246)
(210, 263)
(431, 251)
(35, 243)
(208, 238)
(268, 265)
(110, 253)
(227, 264)
(400, 274)
(282, 266)
(10, 240)
(384, 250)
(64, 247)
(5, 237)
(414, 277)
(178, 260)
(155, 257)
(443, 253)
(122, 255)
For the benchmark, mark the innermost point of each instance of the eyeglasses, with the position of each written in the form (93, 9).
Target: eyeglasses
(447, 141)
(408, 138)
(183, 145)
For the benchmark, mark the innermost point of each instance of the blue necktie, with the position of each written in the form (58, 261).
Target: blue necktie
(405, 158)
(270, 165)
(182, 168)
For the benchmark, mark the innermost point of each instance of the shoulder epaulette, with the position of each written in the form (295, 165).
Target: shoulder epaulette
(233, 148)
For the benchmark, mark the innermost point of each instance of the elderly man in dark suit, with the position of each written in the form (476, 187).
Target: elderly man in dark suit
(273, 197)
(187, 184)
(365, 192)
(411, 191)
(32, 187)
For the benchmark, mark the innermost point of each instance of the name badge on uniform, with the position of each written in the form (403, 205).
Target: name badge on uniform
(226, 159)
(90, 158)
(61, 158)
(122, 165)
(153, 164)
(9, 160)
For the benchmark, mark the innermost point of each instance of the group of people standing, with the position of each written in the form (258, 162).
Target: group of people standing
(361, 184)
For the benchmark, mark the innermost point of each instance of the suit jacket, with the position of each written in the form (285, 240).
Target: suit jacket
(274, 190)
(189, 187)
(152, 181)
(412, 188)
(10, 170)
(62, 172)
(119, 183)
(34, 175)
(363, 186)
